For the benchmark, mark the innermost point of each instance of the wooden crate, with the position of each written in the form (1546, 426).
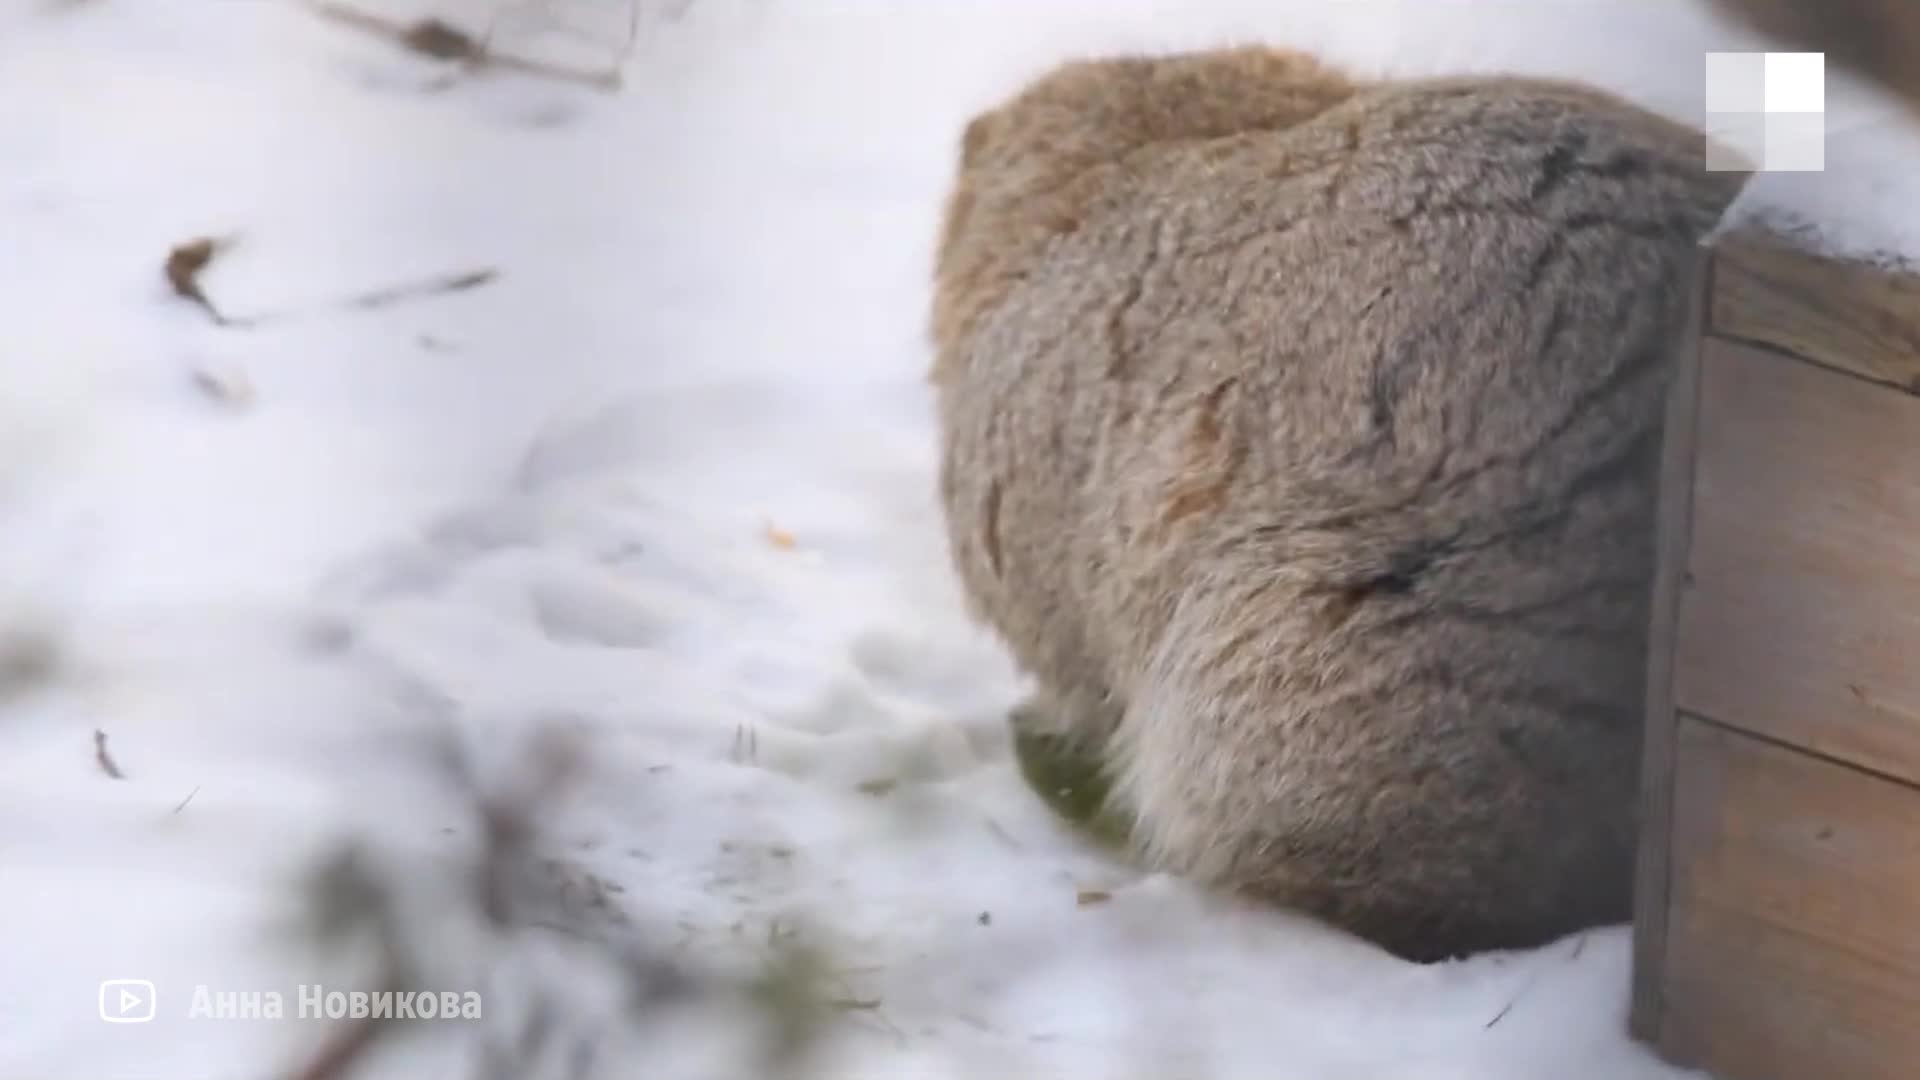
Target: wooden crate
(1777, 924)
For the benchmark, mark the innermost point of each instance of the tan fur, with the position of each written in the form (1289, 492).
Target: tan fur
(1299, 438)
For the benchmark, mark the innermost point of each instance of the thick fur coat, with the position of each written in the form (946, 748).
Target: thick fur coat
(1300, 439)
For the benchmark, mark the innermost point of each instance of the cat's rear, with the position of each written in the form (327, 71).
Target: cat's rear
(1315, 462)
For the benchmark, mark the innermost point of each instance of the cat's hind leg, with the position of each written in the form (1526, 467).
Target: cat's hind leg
(1062, 742)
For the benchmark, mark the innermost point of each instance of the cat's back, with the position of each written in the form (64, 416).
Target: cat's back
(1427, 269)
(1446, 190)
(1316, 451)
(1387, 336)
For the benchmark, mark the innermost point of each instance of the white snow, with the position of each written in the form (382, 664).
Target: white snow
(667, 483)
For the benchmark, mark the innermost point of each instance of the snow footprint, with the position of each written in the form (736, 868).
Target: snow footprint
(852, 738)
(575, 604)
(960, 676)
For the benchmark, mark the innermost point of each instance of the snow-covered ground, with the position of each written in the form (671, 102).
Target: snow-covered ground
(664, 483)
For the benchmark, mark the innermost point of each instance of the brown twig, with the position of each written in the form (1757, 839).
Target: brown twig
(104, 759)
(442, 41)
(1579, 946)
(434, 286)
(371, 300)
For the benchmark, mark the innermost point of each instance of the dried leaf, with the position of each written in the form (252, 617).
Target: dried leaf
(184, 265)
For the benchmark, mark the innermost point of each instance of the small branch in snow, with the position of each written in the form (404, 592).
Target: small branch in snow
(188, 259)
(440, 40)
(1001, 834)
(183, 802)
(431, 37)
(434, 286)
(104, 759)
(1579, 946)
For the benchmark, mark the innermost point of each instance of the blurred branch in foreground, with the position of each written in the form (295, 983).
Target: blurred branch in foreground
(521, 904)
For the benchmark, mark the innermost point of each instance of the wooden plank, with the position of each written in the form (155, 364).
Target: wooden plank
(1791, 944)
(1877, 39)
(1852, 316)
(1800, 618)
(1672, 527)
